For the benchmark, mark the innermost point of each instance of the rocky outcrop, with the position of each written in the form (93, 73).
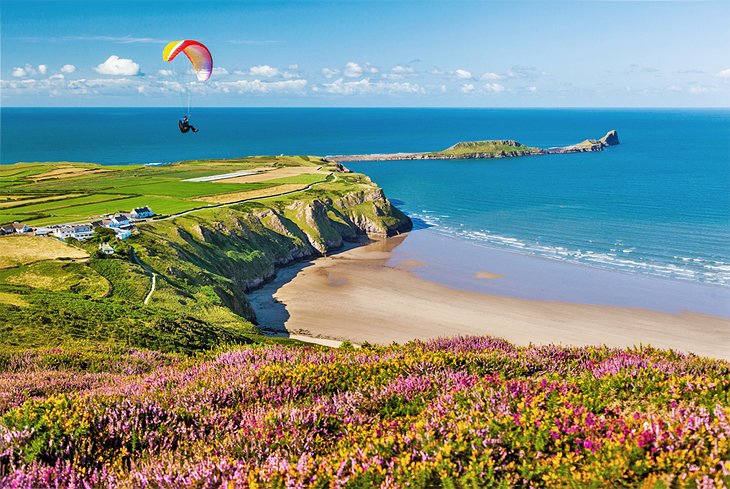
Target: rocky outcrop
(610, 139)
(587, 146)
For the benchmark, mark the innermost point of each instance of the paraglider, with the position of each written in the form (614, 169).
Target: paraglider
(202, 62)
(185, 126)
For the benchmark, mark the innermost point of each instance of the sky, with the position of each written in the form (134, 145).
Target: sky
(389, 53)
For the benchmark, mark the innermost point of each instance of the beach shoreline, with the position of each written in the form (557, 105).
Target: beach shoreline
(377, 293)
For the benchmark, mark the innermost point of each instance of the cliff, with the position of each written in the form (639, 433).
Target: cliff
(505, 148)
(215, 256)
(210, 243)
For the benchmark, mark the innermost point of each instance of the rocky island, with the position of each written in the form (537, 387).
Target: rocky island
(499, 148)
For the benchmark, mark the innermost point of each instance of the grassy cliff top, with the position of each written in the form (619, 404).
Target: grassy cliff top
(40, 194)
(221, 228)
(484, 147)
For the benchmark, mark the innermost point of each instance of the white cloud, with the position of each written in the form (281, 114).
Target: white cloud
(68, 69)
(532, 89)
(329, 73)
(217, 70)
(263, 70)
(462, 74)
(352, 70)
(57, 76)
(399, 72)
(258, 86)
(467, 88)
(364, 86)
(490, 75)
(28, 70)
(114, 65)
(699, 89)
(293, 67)
(165, 72)
(402, 70)
(494, 87)
(724, 73)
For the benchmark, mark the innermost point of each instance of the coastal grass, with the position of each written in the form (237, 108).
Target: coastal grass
(26, 199)
(190, 189)
(21, 250)
(57, 204)
(12, 299)
(493, 147)
(58, 276)
(255, 194)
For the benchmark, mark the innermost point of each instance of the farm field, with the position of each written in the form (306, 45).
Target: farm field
(22, 250)
(41, 194)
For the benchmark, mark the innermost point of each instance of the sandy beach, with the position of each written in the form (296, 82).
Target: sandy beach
(359, 295)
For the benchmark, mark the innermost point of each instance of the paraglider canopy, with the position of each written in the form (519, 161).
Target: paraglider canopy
(196, 52)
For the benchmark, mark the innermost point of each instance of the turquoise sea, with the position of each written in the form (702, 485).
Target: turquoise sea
(658, 204)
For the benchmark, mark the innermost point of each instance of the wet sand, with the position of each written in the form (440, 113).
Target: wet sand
(361, 295)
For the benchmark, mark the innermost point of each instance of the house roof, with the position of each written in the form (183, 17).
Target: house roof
(142, 209)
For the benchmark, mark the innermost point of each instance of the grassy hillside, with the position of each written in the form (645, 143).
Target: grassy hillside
(464, 412)
(54, 294)
(492, 147)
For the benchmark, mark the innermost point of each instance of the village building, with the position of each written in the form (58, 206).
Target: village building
(76, 231)
(106, 248)
(123, 233)
(42, 231)
(142, 212)
(101, 223)
(119, 220)
(15, 227)
(21, 228)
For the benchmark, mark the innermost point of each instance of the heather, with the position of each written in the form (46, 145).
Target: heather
(462, 412)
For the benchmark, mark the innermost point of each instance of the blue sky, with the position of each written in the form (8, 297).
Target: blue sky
(378, 53)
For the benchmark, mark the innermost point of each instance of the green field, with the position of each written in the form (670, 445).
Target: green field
(81, 192)
(192, 189)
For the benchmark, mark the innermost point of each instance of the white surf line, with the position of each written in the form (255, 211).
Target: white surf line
(222, 176)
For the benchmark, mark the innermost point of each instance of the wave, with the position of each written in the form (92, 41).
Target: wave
(615, 256)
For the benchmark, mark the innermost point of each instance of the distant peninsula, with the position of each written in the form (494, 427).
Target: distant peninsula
(498, 148)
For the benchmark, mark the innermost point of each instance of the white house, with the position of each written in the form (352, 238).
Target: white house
(42, 231)
(122, 233)
(76, 231)
(106, 249)
(142, 212)
(120, 220)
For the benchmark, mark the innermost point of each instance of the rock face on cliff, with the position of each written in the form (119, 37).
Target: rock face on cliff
(231, 250)
(610, 139)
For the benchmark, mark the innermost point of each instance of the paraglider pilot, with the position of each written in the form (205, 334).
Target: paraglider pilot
(185, 126)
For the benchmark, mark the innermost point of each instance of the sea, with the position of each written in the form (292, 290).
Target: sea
(656, 205)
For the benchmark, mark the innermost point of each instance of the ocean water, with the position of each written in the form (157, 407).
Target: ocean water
(658, 204)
